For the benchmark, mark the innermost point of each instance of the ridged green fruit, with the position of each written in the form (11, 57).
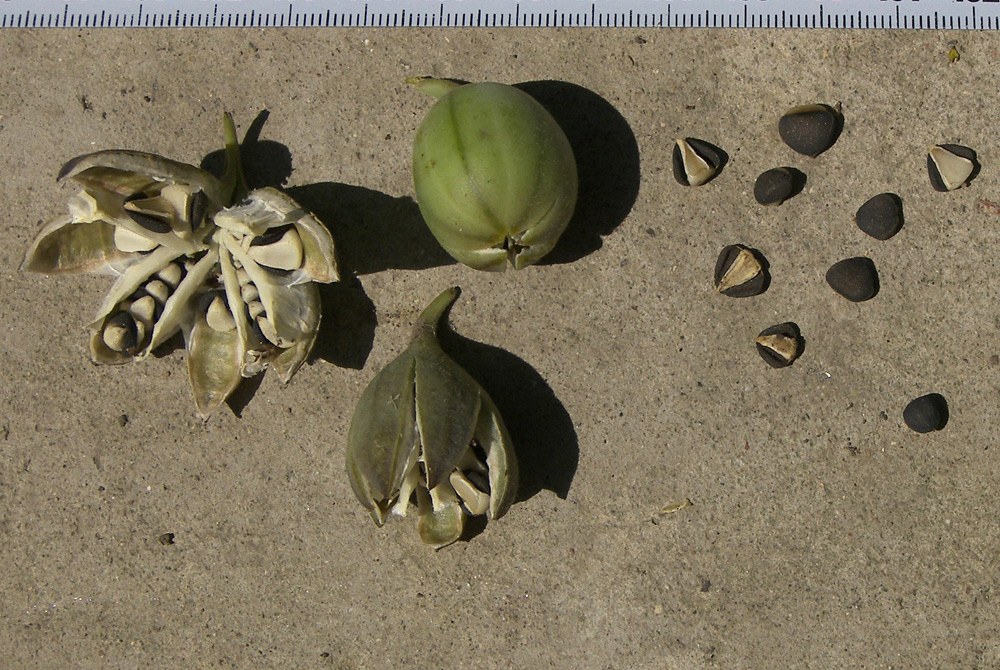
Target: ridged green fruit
(494, 174)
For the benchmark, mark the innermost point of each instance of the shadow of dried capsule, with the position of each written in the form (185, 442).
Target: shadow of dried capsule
(779, 345)
(696, 162)
(810, 129)
(926, 413)
(854, 278)
(741, 272)
(777, 185)
(951, 166)
(881, 216)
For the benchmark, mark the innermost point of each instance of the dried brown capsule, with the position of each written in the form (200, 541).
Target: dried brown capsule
(777, 185)
(854, 278)
(951, 166)
(881, 217)
(926, 413)
(810, 129)
(740, 272)
(779, 345)
(695, 161)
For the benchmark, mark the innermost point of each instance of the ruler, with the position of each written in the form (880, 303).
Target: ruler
(856, 14)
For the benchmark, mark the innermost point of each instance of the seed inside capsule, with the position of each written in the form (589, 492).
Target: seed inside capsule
(218, 317)
(881, 216)
(926, 413)
(695, 161)
(154, 223)
(740, 272)
(158, 289)
(779, 345)
(121, 333)
(950, 166)
(777, 185)
(475, 500)
(278, 248)
(144, 310)
(810, 129)
(128, 241)
(854, 278)
(171, 275)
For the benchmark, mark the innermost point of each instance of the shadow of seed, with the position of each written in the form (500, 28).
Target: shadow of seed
(951, 166)
(696, 162)
(881, 217)
(854, 278)
(740, 272)
(926, 413)
(777, 185)
(779, 345)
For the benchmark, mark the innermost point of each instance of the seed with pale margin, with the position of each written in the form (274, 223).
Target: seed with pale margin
(279, 248)
(740, 272)
(881, 216)
(810, 129)
(779, 345)
(854, 278)
(695, 162)
(476, 501)
(926, 413)
(775, 186)
(950, 166)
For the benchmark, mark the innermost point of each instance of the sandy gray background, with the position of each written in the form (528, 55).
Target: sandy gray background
(823, 532)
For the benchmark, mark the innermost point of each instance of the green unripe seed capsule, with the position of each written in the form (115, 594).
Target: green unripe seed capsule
(494, 174)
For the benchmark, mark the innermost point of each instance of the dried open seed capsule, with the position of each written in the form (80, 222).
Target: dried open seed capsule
(779, 345)
(881, 217)
(950, 166)
(926, 413)
(810, 129)
(777, 185)
(695, 162)
(854, 278)
(740, 272)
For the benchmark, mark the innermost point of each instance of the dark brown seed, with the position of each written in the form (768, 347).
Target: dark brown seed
(777, 185)
(740, 272)
(810, 129)
(854, 278)
(151, 223)
(926, 413)
(882, 216)
(779, 345)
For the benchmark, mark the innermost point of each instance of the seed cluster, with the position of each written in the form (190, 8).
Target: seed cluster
(741, 271)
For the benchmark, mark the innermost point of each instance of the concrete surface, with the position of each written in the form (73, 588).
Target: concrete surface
(823, 533)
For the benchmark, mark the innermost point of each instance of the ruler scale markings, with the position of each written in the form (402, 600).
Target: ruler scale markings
(839, 14)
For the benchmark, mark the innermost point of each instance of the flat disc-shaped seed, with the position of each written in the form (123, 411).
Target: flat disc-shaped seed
(777, 185)
(779, 345)
(926, 413)
(695, 162)
(950, 166)
(881, 217)
(740, 272)
(809, 129)
(854, 278)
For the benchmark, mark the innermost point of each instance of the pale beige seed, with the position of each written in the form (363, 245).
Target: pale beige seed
(171, 275)
(285, 253)
(218, 317)
(475, 500)
(144, 310)
(158, 290)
